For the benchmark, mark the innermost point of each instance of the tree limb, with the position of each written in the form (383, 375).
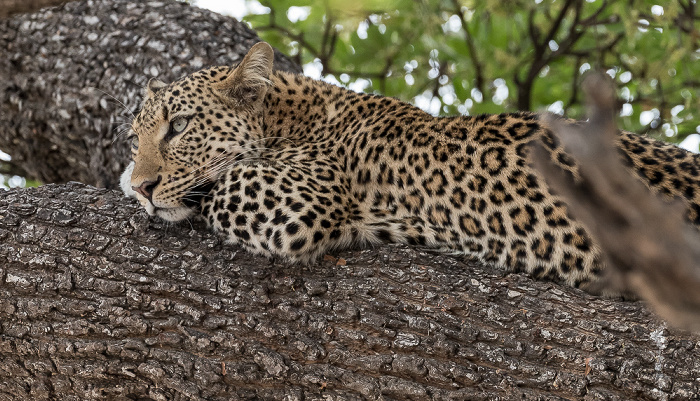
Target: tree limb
(479, 81)
(650, 249)
(98, 302)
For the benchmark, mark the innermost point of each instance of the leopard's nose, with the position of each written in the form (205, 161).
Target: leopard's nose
(147, 187)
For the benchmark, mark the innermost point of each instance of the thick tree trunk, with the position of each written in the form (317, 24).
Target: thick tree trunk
(71, 77)
(97, 301)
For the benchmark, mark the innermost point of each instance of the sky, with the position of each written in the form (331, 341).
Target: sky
(234, 8)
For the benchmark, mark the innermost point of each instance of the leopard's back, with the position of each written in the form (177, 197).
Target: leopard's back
(292, 167)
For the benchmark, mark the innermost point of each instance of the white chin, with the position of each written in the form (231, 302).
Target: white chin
(125, 181)
(171, 214)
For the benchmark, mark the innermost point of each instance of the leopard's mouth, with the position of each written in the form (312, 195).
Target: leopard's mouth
(193, 198)
(191, 204)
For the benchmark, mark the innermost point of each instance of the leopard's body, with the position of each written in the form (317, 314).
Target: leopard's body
(294, 168)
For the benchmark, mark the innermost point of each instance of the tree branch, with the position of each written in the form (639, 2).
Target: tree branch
(649, 248)
(479, 81)
(97, 301)
(557, 22)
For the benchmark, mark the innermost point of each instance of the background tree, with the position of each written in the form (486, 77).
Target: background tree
(461, 56)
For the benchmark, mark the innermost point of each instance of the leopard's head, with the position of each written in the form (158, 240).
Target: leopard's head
(188, 132)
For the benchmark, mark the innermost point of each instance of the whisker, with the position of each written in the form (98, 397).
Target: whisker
(214, 160)
(115, 99)
(190, 222)
(120, 134)
(223, 161)
(195, 196)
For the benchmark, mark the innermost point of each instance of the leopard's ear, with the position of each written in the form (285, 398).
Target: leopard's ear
(248, 82)
(153, 86)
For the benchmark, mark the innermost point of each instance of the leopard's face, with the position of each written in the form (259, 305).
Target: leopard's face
(189, 132)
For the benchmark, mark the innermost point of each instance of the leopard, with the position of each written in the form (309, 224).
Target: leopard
(294, 168)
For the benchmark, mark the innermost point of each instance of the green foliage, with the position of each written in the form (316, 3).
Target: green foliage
(471, 57)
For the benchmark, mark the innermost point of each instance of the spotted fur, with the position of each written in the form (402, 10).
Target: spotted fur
(292, 167)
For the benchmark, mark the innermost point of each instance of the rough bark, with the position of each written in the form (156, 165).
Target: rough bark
(649, 248)
(70, 76)
(97, 301)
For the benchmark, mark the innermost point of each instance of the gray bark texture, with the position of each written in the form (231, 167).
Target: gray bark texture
(99, 302)
(71, 77)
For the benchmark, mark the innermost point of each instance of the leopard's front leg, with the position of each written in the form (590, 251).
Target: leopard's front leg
(297, 210)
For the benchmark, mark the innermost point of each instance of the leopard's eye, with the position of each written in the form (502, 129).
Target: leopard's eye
(134, 142)
(176, 127)
(179, 124)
